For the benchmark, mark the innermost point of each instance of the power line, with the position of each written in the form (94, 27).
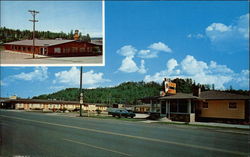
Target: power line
(33, 12)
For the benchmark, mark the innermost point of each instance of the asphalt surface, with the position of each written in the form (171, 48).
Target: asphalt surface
(37, 134)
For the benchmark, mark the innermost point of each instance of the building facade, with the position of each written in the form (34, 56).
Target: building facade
(53, 105)
(57, 47)
(206, 106)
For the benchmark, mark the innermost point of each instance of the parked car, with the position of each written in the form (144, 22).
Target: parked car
(122, 113)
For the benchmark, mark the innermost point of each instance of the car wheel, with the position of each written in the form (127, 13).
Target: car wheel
(113, 115)
(132, 116)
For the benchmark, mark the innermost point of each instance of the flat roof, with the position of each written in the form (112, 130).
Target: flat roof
(39, 42)
(179, 96)
(7, 100)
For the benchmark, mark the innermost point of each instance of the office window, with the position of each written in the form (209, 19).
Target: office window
(57, 50)
(232, 105)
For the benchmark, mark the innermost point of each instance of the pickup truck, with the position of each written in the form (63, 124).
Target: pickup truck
(122, 113)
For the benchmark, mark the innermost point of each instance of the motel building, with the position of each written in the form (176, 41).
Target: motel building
(204, 106)
(47, 105)
(57, 47)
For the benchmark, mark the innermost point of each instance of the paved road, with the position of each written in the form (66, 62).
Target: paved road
(36, 134)
(11, 57)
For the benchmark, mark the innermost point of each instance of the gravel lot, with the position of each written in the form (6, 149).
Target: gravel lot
(17, 58)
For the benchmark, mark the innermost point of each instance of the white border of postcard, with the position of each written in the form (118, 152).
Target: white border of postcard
(79, 64)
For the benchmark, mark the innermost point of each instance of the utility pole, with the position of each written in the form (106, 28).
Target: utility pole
(81, 94)
(34, 12)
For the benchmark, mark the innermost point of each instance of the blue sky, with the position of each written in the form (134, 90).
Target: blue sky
(205, 41)
(54, 16)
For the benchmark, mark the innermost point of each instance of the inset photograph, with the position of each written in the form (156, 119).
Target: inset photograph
(51, 33)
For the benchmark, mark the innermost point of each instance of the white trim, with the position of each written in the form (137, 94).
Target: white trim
(74, 64)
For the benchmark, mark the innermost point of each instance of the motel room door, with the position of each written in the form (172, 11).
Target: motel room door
(43, 51)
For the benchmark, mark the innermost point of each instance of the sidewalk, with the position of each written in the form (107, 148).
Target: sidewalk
(221, 125)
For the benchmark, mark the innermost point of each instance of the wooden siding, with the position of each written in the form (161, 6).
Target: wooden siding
(73, 48)
(220, 109)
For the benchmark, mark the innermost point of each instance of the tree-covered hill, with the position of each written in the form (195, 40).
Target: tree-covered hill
(128, 92)
(9, 35)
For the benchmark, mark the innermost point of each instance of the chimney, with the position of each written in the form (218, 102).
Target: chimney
(197, 91)
(76, 36)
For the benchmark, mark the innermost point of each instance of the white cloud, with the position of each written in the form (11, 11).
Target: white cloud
(142, 69)
(191, 66)
(160, 47)
(153, 50)
(227, 37)
(201, 72)
(171, 64)
(39, 73)
(197, 36)
(2, 83)
(72, 77)
(128, 65)
(242, 79)
(220, 27)
(215, 68)
(147, 54)
(243, 25)
(127, 51)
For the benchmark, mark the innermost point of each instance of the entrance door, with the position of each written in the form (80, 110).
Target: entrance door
(163, 107)
(42, 51)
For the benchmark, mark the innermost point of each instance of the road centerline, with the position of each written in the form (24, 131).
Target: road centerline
(97, 147)
(133, 136)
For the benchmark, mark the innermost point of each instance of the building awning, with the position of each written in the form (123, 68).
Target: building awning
(178, 96)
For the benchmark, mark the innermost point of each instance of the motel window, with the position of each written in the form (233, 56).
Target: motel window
(232, 105)
(182, 107)
(82, 50)
(173, 106)
(74, 49)
(66, 50)
(205, 105)
(57, 50)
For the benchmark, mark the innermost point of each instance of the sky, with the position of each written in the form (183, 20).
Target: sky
(148, 41)
(55, 16)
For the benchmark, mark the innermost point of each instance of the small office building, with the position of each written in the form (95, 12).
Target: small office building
(206, 106)
(57, 47)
